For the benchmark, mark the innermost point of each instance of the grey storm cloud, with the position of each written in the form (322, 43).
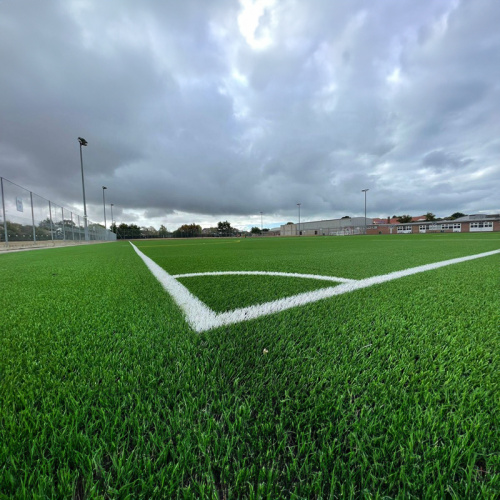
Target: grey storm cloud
(440, 160)
(199, 110)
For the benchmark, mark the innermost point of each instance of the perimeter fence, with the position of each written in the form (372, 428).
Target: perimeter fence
(28, 219)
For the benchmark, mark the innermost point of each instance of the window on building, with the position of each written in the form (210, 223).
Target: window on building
(477, 225)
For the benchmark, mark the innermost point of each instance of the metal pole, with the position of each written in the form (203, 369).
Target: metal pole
(112, 220)
(64, 229)
(33, 218)
(51, 227)
(3, 211)
(83, 142)
(104, 206)
(364, 191)
(298, 204)
(72, 226)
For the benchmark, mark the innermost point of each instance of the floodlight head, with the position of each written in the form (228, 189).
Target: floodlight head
(83, 142)
(104, 187)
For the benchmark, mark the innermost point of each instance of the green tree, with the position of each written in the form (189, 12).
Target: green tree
(128, 232)
(255, 230)
(224, 228)
(45, 224)
(149, 232)
(404, 218)
(162, 232)
(19, 232)
(429, 216)
(456, 215)
(188, 231)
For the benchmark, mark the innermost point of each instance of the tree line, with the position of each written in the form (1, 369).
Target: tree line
(133, 231)
(429, 216)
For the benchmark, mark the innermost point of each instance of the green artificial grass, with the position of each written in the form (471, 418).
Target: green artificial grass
(224, 293)
(386, 392)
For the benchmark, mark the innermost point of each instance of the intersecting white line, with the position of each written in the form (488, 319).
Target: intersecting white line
(266, 273)
(202, 318)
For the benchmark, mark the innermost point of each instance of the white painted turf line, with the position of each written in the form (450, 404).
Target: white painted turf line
(192, 306)
(202, 318)
(266, 273)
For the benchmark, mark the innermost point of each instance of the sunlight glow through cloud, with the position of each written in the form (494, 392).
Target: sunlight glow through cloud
(256, 36)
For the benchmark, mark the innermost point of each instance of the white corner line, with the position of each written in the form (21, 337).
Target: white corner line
(197, 313)
(266, 273)
(201, 318)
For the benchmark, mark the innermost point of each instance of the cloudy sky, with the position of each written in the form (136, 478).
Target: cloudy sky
(207, 110)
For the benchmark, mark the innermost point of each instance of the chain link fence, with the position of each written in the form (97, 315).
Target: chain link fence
(28, 219)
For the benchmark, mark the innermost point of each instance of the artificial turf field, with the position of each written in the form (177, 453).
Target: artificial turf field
(390, 391)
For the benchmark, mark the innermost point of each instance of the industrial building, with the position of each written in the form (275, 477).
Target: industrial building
(332, 227)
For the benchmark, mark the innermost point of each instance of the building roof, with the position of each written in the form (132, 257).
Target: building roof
(330, 223)
(475, 217)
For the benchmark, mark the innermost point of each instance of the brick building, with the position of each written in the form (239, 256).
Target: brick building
(477, 223)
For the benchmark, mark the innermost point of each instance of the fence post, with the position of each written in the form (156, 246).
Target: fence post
(4, 219)
(51, 227)
(33, 218)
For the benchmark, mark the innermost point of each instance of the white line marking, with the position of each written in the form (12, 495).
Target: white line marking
(202, 318)
(265, 273)
(192, 306)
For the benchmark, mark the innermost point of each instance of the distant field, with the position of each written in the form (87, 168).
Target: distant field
(110, 389)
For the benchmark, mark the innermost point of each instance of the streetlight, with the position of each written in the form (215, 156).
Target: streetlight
(112, 220)
(83, 142)
(364, 191)
(298, 204)
(104, 206)
(261, 221)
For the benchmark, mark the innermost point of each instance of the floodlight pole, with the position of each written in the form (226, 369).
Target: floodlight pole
(364, 191)
(298, 204)
(83, 142)
(104, 205)
(112, 204)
